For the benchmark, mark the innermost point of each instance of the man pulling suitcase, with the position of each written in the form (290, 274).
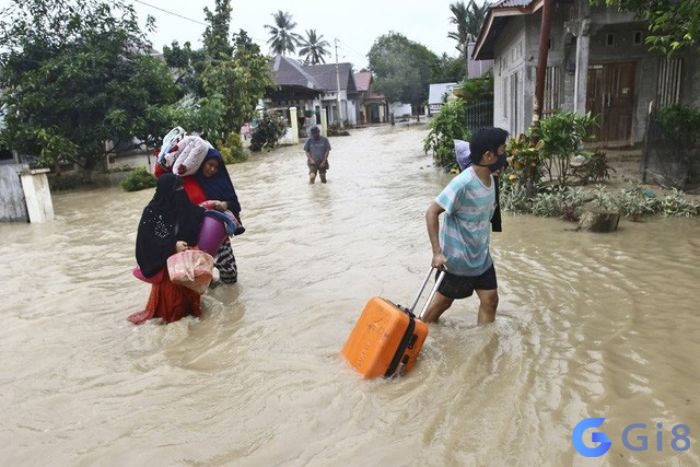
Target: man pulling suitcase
(461, 246)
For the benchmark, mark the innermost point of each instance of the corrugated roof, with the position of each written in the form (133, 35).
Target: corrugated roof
(290, 72)
(325, 76)
(496, 18)
(511, 3)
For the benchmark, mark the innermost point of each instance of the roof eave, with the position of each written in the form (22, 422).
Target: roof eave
(478, 53)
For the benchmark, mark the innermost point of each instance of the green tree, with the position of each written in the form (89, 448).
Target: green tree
(673, 24)
(222, 82)
(403, 69)
(216, 43)
(314, 48)
(282, 39)
(76, 75)
(241, 80)
(187, 66)
(449, 69)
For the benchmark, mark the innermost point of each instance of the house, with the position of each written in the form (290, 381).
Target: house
(436, 93)
(373, 108)
(338, 85)
(310, 87)
(597, 62)
(296, 88)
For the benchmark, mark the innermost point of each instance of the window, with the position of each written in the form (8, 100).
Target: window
(668, 83)
(638, 37)
(610, 40)
(552, 88)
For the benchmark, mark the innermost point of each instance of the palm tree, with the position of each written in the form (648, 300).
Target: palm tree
(468, 19)
(314, 48)
(459, 17)
(475, 18)
(282, 39)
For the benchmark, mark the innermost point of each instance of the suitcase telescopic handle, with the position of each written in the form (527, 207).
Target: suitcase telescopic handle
(440, 277)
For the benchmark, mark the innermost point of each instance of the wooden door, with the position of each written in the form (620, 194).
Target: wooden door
(610, 96)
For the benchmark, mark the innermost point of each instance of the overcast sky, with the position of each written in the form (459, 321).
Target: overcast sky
(356, 24)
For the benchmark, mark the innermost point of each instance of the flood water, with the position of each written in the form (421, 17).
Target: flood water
(589, 325)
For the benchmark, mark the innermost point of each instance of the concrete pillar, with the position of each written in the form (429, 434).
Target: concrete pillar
(294, 124)
(583, 42)
(324, 122)
(37, 195)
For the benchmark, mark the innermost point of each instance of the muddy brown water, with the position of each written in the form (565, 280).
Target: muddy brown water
(589, 325)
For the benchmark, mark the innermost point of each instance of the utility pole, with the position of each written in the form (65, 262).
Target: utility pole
(337, 80)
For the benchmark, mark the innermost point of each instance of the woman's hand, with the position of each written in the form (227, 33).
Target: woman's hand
(181, 246)
(221, 206)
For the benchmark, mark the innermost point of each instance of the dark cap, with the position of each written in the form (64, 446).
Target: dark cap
(315, 129)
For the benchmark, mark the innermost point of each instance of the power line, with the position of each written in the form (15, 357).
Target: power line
(171, 12)
(353, 51)
(256, 39)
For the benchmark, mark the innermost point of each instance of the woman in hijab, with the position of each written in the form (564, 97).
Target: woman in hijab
(169, 224)
(215, 181)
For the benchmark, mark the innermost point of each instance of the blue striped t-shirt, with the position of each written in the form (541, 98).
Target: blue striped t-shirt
(466, 227)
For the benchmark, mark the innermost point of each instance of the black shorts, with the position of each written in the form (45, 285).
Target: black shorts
(454, 286)
(313, 168)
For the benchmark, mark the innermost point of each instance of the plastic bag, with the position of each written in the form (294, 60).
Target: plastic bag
(191, 269)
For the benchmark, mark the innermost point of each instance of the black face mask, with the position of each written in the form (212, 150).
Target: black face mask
(499, 164)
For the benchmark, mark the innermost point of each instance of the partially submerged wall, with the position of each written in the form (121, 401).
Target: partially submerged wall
(12, 205)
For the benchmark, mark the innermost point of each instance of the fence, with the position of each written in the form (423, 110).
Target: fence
(668, 162)
(478, 115)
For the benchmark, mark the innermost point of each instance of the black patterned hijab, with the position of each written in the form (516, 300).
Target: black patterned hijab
(169, 217)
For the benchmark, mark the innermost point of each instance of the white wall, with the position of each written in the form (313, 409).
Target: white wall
(400, 109)
(509, 72)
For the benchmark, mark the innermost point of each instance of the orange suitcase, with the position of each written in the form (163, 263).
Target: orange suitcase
(387, 338)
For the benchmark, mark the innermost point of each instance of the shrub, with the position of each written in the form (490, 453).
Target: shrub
(476, 89)
(232, 149)
(447, 126)
(603, 199)
(674, 204)
(269, 130)
(524, 162)
(335, 130)
(678, 148)
(681, 126)
(559, 201)
(595, 167)
(562, 134)
(514, 198)
(636, 202)
(138, 179)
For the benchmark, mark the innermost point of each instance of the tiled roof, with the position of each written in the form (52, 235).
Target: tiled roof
(363, 79)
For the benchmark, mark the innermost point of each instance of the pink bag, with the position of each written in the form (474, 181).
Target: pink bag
(192, 269)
